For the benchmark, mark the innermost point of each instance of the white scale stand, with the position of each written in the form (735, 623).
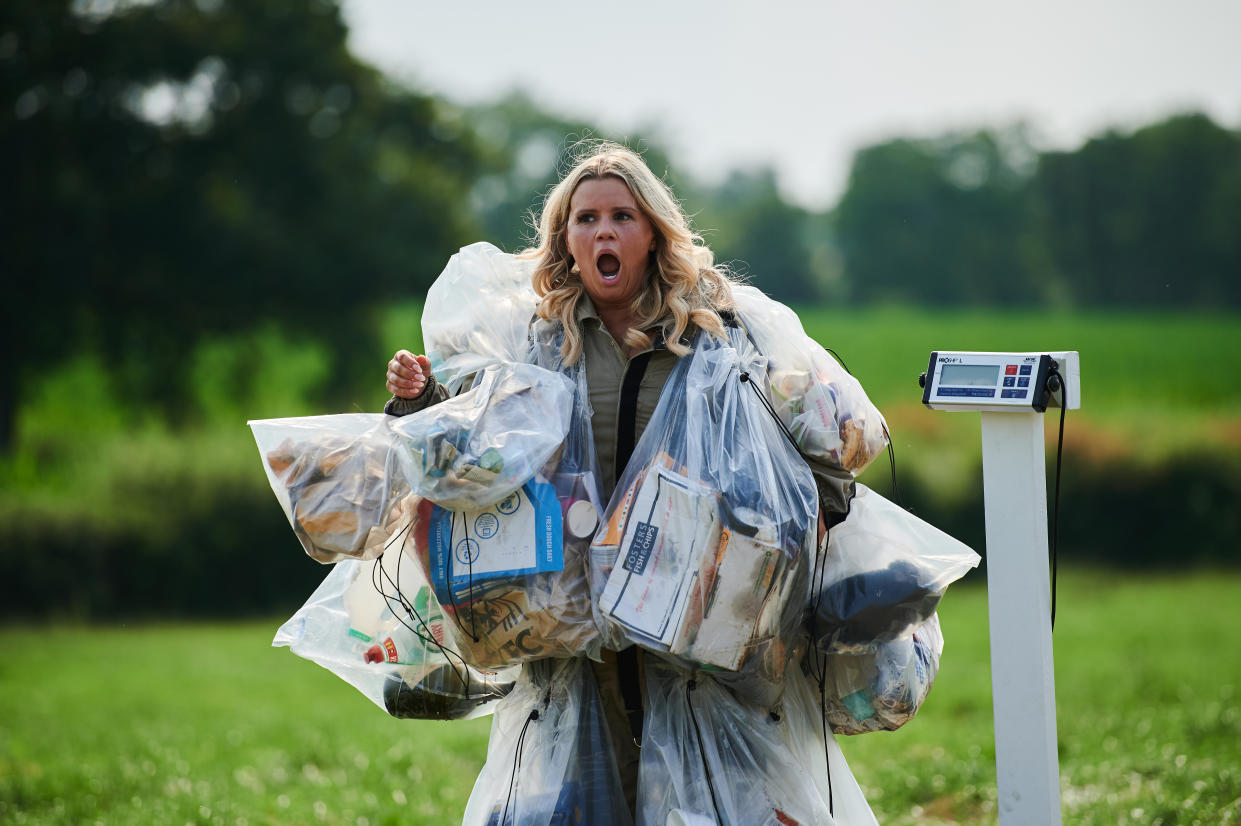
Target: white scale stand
(1008, 389)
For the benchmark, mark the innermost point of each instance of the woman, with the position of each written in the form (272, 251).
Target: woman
(618, 265)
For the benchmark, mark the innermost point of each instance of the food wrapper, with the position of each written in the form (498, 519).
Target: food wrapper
(337, 480)
(883, 689)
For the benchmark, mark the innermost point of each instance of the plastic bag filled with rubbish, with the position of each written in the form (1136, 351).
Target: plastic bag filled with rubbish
(337, 479)
(511, 577)
(550, 759)
(478, 448)
(824, 407)
(822, 762)
(375, 625)
(708, 758)
(882, 690)
(476, 313)
(705, 550)
(882, 575)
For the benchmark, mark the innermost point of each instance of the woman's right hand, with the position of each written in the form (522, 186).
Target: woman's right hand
(408, 375)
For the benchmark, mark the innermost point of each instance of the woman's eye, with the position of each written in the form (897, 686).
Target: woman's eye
(623, 216)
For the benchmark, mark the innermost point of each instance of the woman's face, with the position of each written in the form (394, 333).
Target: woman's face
(611, 241)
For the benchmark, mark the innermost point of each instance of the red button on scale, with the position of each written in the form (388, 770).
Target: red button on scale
(1010, 370)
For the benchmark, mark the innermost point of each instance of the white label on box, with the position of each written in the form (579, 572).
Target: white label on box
(672, 523)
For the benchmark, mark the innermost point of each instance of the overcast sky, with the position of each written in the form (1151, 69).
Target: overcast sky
(801, 85)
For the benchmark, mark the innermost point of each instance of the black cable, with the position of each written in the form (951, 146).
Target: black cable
(1055, 518)
(702, 753)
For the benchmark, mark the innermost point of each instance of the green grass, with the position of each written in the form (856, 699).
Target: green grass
(207, 724)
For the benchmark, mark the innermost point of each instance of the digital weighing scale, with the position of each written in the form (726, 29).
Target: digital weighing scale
(1011, 391)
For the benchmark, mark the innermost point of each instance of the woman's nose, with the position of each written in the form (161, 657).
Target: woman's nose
(605, 229)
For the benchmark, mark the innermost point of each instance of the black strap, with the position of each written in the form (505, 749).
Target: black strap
(627, 412)
(626, 434)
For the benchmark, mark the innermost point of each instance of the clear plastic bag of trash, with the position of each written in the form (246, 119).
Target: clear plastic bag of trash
(478, 448)
(337, 480)
(882, 690)
(823, 406)
(511, 578)
(550, 759)
(704, 554)
(375, 625)
(708, 758)
(477, 313)
(882, 575)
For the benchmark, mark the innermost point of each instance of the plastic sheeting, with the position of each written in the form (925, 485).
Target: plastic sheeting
(709, 758)
(550, 758)
(704, 554)
(477, 313)
(882, 575)
(389, 646)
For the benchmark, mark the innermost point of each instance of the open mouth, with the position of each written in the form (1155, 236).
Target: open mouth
(608, 266)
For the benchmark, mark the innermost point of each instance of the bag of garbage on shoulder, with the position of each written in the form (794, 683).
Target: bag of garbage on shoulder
(507, 561)
(709, 758)
(882, 575)
(337, 480)
(825, 408)
(476, 313)
(706, 546)
(883, 689)
(375, 625)
(550, 759)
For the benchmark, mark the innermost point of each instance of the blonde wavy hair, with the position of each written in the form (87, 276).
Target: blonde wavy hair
(684, 287)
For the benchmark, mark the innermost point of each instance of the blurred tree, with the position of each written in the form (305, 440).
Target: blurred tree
(525, 150)
(1147, 219)
(750, 226)
(177, 167)
(941, 221)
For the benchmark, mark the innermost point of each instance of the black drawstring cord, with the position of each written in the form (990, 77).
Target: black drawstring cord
(469, 561)
(788, 434)
(702, 753)
(462, 671)
(818, 661)
(827, 757)
(512, 780)
(452, 593)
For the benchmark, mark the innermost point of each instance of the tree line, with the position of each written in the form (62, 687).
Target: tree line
(177, 168)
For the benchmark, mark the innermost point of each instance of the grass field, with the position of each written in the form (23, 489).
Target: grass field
(206, 724)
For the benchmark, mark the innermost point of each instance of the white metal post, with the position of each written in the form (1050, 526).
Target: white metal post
(1019, 606)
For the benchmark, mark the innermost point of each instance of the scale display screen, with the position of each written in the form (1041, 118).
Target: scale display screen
(970, 375)
(986, 381)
